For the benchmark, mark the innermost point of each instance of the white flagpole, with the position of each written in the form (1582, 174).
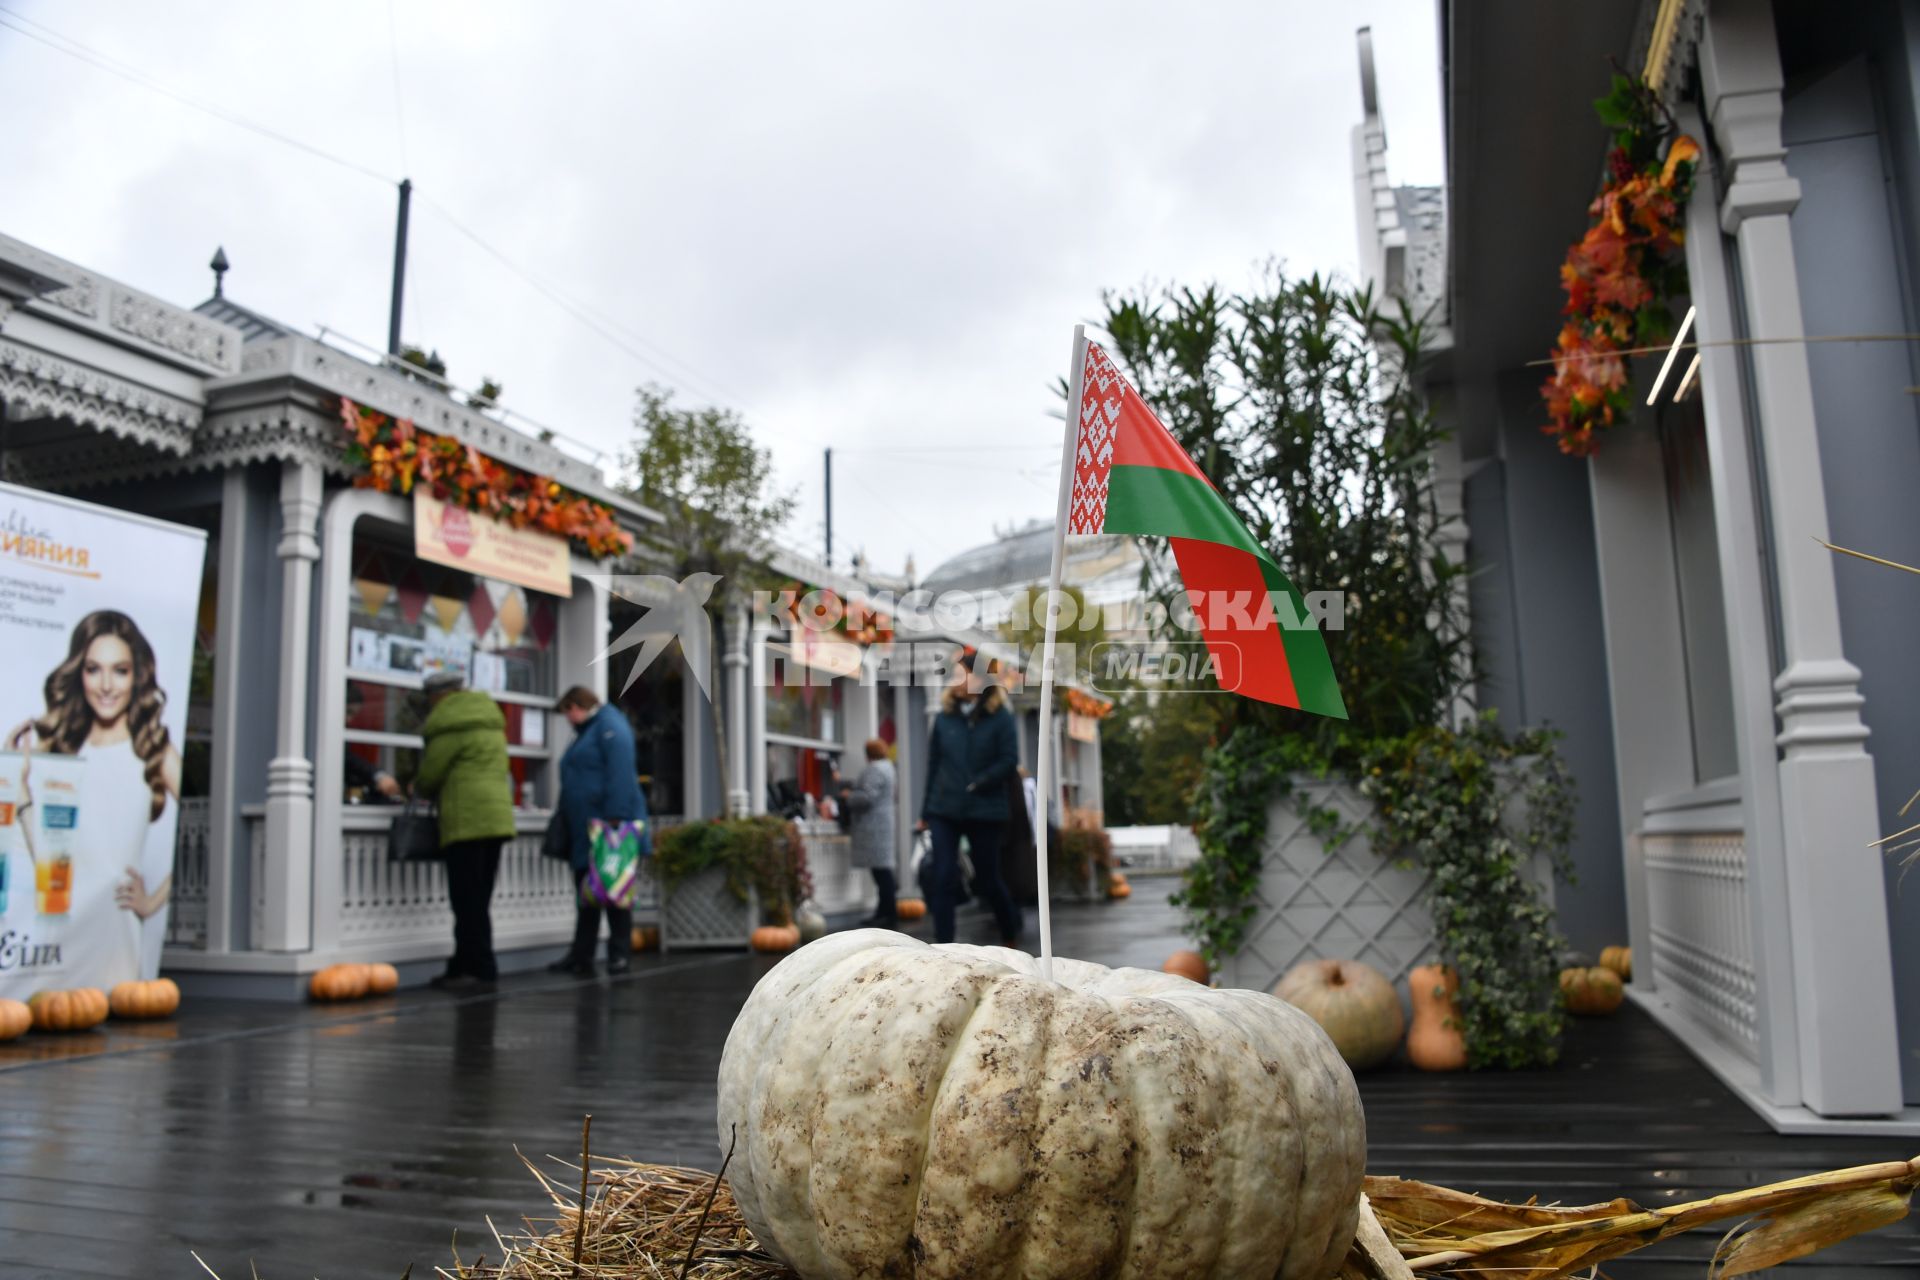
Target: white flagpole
(1043, 781)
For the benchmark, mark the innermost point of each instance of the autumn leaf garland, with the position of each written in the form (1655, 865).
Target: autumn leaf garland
(1619, 276)
(394, 455)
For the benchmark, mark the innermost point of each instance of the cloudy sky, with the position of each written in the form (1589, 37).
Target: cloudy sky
(864, 226)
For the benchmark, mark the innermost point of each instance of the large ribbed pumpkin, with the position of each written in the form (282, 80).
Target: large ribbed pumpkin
(1353, 1002)
(941, 1111)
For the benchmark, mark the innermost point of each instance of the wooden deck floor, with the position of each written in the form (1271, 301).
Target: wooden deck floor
(350, 1142)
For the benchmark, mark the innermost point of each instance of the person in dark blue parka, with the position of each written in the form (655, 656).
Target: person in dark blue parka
(972, 752)
(597, 780)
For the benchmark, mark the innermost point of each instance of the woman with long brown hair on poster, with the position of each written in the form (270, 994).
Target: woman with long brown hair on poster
(104, 704)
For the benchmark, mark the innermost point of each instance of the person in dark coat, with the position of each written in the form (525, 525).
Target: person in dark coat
(870, 799)
(972, 750)
(598, 779)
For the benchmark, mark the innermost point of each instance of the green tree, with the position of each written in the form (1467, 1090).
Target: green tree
(715, 492)
(1297, 400)
(1153, 749)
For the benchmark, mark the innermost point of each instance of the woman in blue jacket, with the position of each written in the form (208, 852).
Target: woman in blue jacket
(597, 780)
(972, 752)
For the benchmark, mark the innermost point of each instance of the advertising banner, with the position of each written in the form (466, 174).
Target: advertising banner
(489, 548)
(97, 614)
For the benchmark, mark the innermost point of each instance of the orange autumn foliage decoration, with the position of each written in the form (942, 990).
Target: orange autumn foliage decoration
(1619, 276)
(395, 455)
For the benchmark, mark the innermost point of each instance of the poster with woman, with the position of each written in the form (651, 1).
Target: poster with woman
(96, 619)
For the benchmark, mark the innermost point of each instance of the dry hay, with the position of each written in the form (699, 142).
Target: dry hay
(642, 1221)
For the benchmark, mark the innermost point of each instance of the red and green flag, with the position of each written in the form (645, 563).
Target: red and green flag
(1131, 476)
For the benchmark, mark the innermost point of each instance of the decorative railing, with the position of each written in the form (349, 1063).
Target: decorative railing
(192, 871)
(1699, 917)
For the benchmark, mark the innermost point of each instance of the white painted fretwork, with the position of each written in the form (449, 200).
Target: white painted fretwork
(187, 907)
(1700, 917)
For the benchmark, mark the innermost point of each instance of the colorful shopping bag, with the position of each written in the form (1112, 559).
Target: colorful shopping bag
(613, 860)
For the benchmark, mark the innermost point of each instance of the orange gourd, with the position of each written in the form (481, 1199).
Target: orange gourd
(1188, 964)
(340, 982)
(1591, 992)
(1618, 959)
(156, 999)
(382, 979)
(646, 937)
(910, 908)
(15, 1018)
(1117, 887)
(775, 937)
(74, 1010)
(1435, 1042)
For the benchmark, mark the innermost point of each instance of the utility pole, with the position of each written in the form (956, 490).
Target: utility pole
(829, 508)
(399, 267)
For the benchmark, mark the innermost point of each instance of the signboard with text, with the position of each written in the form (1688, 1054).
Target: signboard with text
(489, 548)
(97, 616)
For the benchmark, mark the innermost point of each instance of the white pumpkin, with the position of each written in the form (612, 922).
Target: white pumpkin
(941, 1111)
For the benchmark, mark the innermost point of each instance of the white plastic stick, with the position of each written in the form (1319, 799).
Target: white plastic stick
(1043, 781)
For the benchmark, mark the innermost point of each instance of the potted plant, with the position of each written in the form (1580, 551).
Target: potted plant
(720, 879)
(1406, 830)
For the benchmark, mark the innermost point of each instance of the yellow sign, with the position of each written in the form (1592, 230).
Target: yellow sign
(489, 548)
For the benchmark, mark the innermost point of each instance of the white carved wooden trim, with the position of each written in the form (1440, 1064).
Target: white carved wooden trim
(192, 870)
(1699, 916)
(36, 384)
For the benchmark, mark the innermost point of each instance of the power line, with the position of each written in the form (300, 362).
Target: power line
(685, 376)
(74, 49)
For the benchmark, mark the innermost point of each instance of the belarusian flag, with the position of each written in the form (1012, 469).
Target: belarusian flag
(1130, 476)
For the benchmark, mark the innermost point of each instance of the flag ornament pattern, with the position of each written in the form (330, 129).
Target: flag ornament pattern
(1131, 476)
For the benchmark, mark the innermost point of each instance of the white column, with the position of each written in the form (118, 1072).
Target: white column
(1843, 979)
(755, 744)
(226, 838)
(1749, 664)
(735, 663)
(288, 919)
(903, 772)
(1646, 657)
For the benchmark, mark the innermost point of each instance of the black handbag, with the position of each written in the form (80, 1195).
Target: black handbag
(414, 836)
(557, 842)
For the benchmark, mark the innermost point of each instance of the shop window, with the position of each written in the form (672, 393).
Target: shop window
(409, 619)
(803, 742)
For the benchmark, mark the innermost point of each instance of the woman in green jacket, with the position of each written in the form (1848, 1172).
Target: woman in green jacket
(464, 768)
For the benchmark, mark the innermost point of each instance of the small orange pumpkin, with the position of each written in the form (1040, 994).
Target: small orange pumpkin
(74, 1010)
(1618, 959)
(15, 1018)
(775, 937)
(156, 999)
(1435, 1043)
(340, 982)
(1119, 888)
(382, 979)
(1188, 964)
(646, 937)
(1591, 992)
(910, 908)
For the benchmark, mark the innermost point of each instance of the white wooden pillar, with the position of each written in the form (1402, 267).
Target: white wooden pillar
(1731, 472)
(287, 924)
(1843, 979)
(735, 662)
(226, 837)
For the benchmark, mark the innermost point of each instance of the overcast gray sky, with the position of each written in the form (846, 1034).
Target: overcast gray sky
(870, 226)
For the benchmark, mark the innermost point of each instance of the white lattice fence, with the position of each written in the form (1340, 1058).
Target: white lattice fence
(1345, 903)
(701, 912)
(1700, 921)
(192, 869)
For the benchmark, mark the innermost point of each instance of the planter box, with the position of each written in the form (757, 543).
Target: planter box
(702, 913)
(1345, 904)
